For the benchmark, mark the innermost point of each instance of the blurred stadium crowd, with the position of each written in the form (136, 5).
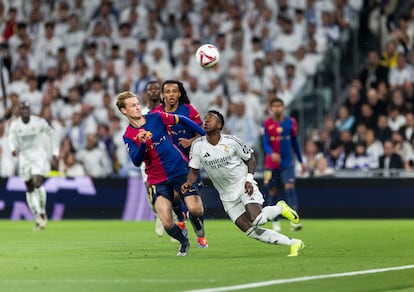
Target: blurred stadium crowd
(69, 59)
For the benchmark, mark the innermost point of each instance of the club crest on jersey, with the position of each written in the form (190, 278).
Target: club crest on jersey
(226, 149)
(148, 135)
(279, 130)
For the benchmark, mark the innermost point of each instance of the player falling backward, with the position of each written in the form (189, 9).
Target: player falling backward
(27, 142)
(230, 165)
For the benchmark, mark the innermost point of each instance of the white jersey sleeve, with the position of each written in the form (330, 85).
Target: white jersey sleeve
(241, 148)
(195, 154)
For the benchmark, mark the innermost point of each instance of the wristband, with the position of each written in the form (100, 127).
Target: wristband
(250, 178)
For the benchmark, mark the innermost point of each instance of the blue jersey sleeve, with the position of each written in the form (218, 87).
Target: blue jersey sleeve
(296, 148)
(266, 143)
(135, 152)
(183, 120)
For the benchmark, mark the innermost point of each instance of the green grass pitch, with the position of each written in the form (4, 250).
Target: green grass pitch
(128, 256)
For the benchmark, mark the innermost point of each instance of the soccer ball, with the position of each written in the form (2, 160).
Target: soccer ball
(207, 55)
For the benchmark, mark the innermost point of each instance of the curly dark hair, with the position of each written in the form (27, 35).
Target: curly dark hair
(183, 98)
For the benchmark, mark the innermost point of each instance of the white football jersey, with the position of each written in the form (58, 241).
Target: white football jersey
(27, 139)
(224, 164)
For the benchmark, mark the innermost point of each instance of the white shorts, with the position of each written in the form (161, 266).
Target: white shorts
(35, 167)
(236, 208)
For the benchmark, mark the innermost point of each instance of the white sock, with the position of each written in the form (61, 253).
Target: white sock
(268, 213)
(33, 202)
(41, 193)
(268, 236)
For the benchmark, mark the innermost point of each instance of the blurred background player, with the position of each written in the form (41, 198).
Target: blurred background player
(27, 142)
(279, 137)
(147, 139)
(230, 165)
(176, 101)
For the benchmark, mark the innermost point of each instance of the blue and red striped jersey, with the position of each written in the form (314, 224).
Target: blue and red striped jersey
(280, 138)
(163, 160)
(180, 131)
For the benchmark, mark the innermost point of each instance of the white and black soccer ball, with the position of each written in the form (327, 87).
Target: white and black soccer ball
(207, 56)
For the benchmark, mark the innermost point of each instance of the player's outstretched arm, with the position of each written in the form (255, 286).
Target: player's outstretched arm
(183, 120)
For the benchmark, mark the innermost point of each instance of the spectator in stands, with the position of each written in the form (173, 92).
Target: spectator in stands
(402, 148)
(402, 34)
(345, 139)
(73, 38)
(294, 80)
(360, 159)
(407, 130)
(323, 169)
(12, 109)
(288, 40)
(306, 63)
(353, 100)
(373, 72)
(46, 48)
(390, 160)
(95, 160)
(252, 105)
(336, 157)
(311, 155)
(66, 78)
(54, 122)
(378, 105)
(33, 96)
(7, 161)
(241, 125)
(23, 59)
(18, 83)
(69, 167)
(360, 133)
(400, 73)
(374, 146)
(382, 130)
(106, 142)
(344, 121)
(389, 55)
(399, 101)
(395, 119)
(367, 116)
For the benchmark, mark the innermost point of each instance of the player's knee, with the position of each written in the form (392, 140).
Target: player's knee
(168, 226)
(37, 182)
(197, 211)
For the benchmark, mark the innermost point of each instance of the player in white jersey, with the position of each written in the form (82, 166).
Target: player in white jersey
(230, 165)
(26, 141)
